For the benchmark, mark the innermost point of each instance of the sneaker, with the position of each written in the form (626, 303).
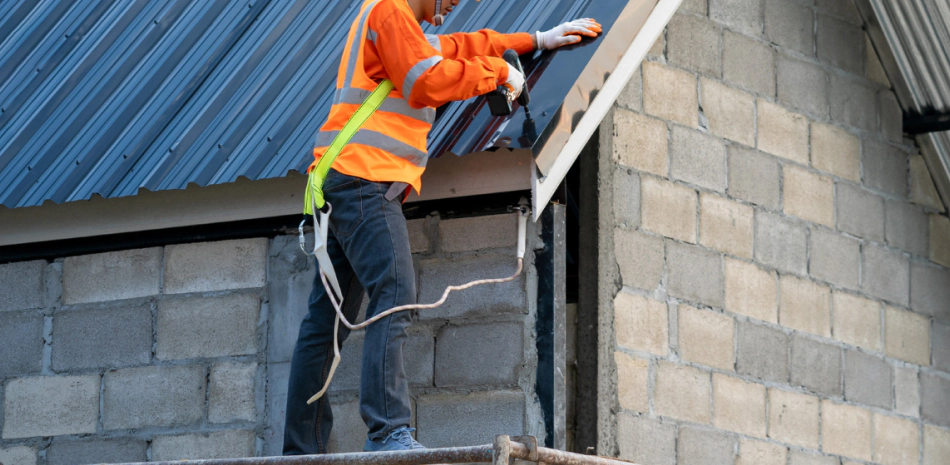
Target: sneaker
(398, 439)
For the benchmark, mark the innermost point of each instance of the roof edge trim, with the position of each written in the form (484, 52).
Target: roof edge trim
(543, 188)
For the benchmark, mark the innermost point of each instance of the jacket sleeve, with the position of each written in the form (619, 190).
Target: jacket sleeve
(485, 42)
(423, 75)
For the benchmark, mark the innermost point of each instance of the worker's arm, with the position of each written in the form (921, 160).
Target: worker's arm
(424, 76)
(467, 45)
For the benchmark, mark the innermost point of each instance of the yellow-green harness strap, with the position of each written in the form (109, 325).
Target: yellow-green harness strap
(314, 194)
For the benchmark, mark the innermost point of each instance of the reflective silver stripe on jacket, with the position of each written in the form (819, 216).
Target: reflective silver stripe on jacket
(356, 96)
(415, 72)
(434, 42)
(379, 140)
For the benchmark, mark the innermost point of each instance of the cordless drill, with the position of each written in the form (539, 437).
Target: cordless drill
(499, 101)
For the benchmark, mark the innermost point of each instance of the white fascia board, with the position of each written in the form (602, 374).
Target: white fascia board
(543, 188)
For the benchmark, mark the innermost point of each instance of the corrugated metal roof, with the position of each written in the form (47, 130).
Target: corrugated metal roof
(918, 36)
(107, 97)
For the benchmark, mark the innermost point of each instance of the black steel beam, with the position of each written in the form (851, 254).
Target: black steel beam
(927, 123)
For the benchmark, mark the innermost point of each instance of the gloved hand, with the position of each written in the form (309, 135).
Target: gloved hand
(515, 82)
(567, 33)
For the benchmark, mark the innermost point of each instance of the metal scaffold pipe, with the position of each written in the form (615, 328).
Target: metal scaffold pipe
(504, 448)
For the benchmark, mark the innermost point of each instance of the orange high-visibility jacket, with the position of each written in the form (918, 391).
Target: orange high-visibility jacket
(427, 71)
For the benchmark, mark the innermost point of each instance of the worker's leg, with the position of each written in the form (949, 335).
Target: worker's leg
(307, 428)
(378, 250)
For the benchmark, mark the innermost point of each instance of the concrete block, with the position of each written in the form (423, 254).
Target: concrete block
(633, 379)
(726, 225)
(748, 63)
(782, 133)
(695, 6)
(347, 376)
(730, 112)
(907, 336)
(744, 16)
(941, 346)
(437, 274)
(906, 392)
(754, 177)
(834, 258)
(626, 188)
(215, 266)
(231, 392)
(452, 420)
(922, 189)
(290, 280)
(896, 441)
(800, 457)
(762, 353)
(859, 212)
(868, 380)
(22, 285)
(104, 337)
(704, 447)
(126, 274)
(841, 44)
(50, 406)
(752, 452)
(640, 259)
(805, 306)
(694, 43)
(641, 323)
(885, 168)
(18, 455)
(419, 357)
(873, 69)
(153, 396)
(739, 405)
(418, 240)
(934, 399)
(682, 392)
(802, 85)
(214, 445)
(276, 407)
(641, 142)
(790, 25)
(836, 151)
(857, 321)
(207, 327)
(906, 227)
(21, 342)
(793, 418)
(694, 274)
(809, 196)
(940, 239)
(113, 450)
(815, 366)
(474, 355)
(892, 116)
(631, 97)
(751, 291)
(349, 432)
(853, 103)
(668, 209)
(670, 94)
(646, 441)
(844, 9)
(658, 49)
(936, 445)
(698, 159)
(706, 337)
(886, 274)
(845, 430)
(479, 232)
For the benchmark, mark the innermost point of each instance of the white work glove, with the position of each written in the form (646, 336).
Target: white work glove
(567, 33)
(515, 82)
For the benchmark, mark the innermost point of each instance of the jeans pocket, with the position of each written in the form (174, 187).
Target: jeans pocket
(346, 200)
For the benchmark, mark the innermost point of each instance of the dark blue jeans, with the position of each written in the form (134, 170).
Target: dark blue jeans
(369, 246)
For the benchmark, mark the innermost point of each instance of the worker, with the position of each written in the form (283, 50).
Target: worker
(368, 242)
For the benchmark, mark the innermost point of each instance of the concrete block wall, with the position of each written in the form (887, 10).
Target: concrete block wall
(182, 351)
(781, 249)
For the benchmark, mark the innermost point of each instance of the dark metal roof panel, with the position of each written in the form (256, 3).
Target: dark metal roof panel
(107, 97)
